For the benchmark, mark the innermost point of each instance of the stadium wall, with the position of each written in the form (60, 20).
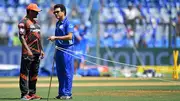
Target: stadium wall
(150, 56)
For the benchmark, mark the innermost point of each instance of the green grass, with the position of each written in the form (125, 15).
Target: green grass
(169, 93)
(93, 81)
(110, 93)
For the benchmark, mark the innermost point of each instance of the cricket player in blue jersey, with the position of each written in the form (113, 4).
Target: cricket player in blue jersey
(80, 47)
(64, 62)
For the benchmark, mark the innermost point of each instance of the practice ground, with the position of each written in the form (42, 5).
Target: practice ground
(101, 89)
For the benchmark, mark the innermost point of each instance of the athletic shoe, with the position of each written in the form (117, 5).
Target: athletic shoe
(26, 97)
(64, 97)
(35, 97)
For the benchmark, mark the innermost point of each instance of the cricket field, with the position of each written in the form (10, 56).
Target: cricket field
(100, 89)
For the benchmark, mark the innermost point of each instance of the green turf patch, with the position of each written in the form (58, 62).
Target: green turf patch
(105, 93)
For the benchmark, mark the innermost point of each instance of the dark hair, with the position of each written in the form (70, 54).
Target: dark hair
(27, 11)
(62, 7)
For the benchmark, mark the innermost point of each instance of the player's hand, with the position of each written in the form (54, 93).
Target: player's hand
(42, 55)
(52, 38)
(30, 54)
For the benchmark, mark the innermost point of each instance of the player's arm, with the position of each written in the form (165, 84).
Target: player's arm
(42, 52)
(69, 36)
(22, 39)
(77, 36)
(66, 37)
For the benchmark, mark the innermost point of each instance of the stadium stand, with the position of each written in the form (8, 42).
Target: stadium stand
(153, 22)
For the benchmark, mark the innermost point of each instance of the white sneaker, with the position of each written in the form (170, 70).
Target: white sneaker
(64, 97)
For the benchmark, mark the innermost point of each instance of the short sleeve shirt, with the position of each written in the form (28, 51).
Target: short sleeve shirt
(31, 31)
(64, 28)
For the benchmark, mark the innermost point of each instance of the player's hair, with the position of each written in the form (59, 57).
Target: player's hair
(27, 11)
(62, 7)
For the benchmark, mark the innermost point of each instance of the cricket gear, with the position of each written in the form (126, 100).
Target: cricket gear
(28, 74)
(26, 97)
(64, 97)
(35, 97)
(65, 71)
(51, 75)
(33, 7)
(64, 28)
(31, 32)
(64, 61)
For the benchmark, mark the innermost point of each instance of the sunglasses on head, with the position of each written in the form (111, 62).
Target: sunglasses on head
(56, 12)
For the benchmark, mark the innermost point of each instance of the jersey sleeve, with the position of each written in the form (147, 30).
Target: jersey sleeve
(70, 28)
(76, 34)
(21, 27)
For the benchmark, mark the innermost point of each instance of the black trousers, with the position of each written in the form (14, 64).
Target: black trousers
(28, 74)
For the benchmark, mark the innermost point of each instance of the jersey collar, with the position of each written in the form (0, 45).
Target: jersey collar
(64, 20)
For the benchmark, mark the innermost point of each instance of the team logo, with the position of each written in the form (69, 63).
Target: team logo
(70, 26)
(32, 26)
(61, 26)
(22, 30)
(34, 29)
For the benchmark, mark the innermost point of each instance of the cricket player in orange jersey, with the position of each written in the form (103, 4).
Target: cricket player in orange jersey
(29, 35)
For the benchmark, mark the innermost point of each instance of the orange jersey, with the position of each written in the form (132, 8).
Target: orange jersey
(31, 31)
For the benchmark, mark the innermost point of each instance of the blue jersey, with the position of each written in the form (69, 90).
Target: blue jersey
(64, 61)
(63, 28)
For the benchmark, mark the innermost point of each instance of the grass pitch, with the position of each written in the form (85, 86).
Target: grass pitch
(100, 89)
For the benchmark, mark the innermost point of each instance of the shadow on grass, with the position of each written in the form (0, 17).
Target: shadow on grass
(6, 99)
(9, 99)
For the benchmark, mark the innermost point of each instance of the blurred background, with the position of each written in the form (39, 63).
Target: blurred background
(120, 35)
